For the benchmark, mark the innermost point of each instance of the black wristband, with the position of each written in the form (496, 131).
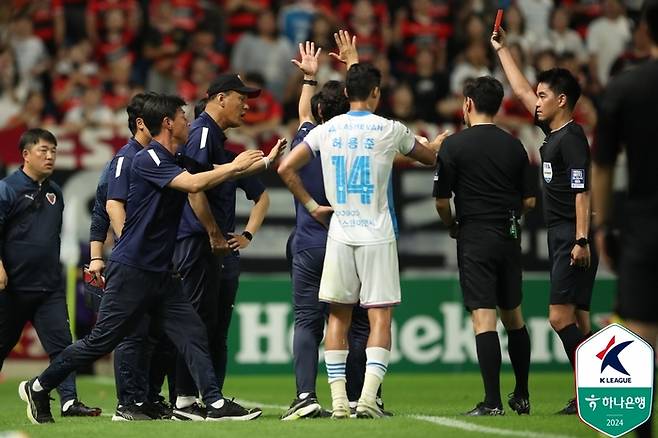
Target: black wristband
(95, 258)
(310, 82)
(248, 235)
(583, 241)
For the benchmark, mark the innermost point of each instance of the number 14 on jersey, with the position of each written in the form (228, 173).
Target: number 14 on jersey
(358, 181)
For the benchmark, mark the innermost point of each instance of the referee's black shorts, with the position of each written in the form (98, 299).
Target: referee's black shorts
(569, 284)
(637, 297)
(489, 266)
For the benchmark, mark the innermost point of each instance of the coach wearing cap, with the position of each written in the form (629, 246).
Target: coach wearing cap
(201, 244)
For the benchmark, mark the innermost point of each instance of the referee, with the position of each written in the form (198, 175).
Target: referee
(627, 116)
(565, 159)
(487, 170)
(31, 286)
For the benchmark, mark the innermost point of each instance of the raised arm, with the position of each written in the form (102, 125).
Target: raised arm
(517, 80)
(308, 64)
(347, 53)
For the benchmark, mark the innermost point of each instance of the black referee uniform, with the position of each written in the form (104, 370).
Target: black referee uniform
(488, 171)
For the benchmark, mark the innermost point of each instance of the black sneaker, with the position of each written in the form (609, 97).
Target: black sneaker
(38, 403)
(366, 410)
(482, 410)
(194, 412)
(302, 408)
(380, 405)
(158, 410)
(130, 413)
(231, 411)
(570, 409)
(519, 404)
(79, 409)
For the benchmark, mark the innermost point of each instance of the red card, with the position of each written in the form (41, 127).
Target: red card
(499, 19)
(89, 278)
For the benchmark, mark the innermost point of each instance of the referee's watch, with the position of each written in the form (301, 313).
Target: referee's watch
(583, 241)
(248, 235)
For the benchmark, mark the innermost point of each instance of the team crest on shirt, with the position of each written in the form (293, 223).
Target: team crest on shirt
(577, 178)
(51, 197)
(548, 172)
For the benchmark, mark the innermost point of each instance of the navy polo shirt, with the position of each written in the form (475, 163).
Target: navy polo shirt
(153, 211)
(100, 220)
(309, 233)
(253, 188)
(30, 226)
(205, 144)
(118, 183)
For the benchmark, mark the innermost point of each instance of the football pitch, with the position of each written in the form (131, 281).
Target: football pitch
(426, 405)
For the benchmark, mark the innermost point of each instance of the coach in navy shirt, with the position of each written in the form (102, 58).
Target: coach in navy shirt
(139, 278)
(201, 244)
(31, 286)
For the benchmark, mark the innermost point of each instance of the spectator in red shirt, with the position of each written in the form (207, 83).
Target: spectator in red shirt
(48, 20)
(372, 30)
(95, 20)
(202, 73)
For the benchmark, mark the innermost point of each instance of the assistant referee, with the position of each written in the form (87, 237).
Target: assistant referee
(488, 171)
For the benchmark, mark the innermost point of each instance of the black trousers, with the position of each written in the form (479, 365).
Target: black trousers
(48, 314)
(212, 297)
(129, 295)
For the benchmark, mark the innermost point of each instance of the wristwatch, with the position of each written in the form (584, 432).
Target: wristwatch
(583, 241)
(248, 235)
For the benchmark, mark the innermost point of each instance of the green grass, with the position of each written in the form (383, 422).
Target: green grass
(440, 395)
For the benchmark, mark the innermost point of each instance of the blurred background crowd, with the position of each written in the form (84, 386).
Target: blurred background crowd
(76, 63)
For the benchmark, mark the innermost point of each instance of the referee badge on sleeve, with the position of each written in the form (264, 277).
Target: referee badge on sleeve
(577, 178)
(548, 172)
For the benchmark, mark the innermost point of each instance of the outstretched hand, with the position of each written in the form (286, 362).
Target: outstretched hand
(498, 39)
(308, 63)
(347, 53)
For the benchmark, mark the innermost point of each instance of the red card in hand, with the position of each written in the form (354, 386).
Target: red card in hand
(92, 280)
(499, 19)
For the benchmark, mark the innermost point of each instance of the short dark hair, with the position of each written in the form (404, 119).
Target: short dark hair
(200, 107)
(32, 137)
(486, 93)
(361, 79)
(650, 15)
(135, 108)
(332, 101)
(561, 81)
(159, 107)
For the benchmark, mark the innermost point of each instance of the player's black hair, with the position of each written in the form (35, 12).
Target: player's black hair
(32, 137)
(650, 15)
(332, 101)
(561, 81)
(159, 107)
(486, 93)
(135, 108)
(200, 107)
(361, 79)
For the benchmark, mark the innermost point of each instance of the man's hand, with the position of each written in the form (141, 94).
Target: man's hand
(238, 241)
(3, 278)
(436, 144)
(580, 256)
(278, 150)
(347, 53)
(246, 159)
(323, 214)
(309, 58)
(218, 245)
(498, 39)
(96, 267)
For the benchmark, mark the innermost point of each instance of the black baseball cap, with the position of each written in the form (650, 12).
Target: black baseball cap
(231, 82)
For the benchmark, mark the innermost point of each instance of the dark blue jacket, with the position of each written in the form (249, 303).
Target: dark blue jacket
(30, 226)
(100, 220)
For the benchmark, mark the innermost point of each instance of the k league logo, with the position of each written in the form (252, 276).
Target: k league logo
(614, 380)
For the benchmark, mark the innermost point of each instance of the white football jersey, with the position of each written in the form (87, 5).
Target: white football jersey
(357, 151)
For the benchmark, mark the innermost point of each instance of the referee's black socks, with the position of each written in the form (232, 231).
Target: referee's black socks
(518, 348)
(488, 350)
(571, 336)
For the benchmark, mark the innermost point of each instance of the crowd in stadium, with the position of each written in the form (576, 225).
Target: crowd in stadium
(76, 63)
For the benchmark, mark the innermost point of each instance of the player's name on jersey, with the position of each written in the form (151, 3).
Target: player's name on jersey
(376, 127)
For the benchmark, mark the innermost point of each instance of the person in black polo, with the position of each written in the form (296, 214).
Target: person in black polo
(487, 170)
(31, 284)
(627, 117)
(565, 171)
(202, 244)
(139, 274)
